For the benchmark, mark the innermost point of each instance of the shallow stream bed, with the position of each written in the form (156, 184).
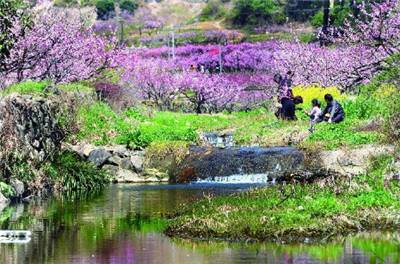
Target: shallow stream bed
(123, 224)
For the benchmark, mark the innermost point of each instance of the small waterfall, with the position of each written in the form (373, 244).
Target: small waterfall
(218, 140)
(262, 178)
(231, 165)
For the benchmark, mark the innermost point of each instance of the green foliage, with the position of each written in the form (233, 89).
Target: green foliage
(128, 5)
(214, 9)
(105, 9)
(38, 88)
(73, 174)
(255, 12)
(6, 190)
(307, 37)
(318, 19)
(76, 87)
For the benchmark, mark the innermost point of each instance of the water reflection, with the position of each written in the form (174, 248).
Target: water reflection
(122, 225)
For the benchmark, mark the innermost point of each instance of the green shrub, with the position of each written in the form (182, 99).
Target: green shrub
(307, 37)
(72, 174)
(317, 19)
(255, 12)
(6, 189)
(105, 9)
(214, 9)
(154, 132)
(128, 5)
(75, 87)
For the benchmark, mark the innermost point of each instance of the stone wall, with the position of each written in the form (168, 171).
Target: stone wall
(28, 128)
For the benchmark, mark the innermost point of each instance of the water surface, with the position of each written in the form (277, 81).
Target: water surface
(122, 224)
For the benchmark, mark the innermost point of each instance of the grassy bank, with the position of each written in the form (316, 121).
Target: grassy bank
(138, 127)
(296, 212)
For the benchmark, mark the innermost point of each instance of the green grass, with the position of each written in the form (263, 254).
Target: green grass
(70, 174)
(28, 87)
(100, 125)
(295, 212)
(38, 88)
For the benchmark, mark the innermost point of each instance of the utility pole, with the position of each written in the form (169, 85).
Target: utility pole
(173, 42)
(220, 58)
(325, 24)
(121, 23)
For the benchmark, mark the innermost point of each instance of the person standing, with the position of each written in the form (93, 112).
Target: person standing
(285, 96)
(314, 114)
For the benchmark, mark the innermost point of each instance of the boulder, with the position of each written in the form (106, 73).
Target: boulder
(127, 176)
(351, 161)
(154, 175)
(18, 187)
(216, 162)
(137, 162)
(86, 149)
(99, 156)
(114, 160)
(126, 164)
(111, 169)
(118, 150)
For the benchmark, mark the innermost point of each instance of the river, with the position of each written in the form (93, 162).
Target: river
(123, 224)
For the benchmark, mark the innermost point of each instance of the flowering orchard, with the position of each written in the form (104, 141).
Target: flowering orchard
(55, 48)
(210, 77)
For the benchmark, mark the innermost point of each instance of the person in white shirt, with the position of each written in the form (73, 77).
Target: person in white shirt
(315, 114)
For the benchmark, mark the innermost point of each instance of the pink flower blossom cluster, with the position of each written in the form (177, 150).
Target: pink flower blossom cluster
(56, 49)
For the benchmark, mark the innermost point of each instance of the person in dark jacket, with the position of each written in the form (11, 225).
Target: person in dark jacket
(285, 96)
(333, 112)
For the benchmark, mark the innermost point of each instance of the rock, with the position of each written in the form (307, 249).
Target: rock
(219, 140)
(114, 160)
(127, 176)
(27, 124)
(87, 149)
(214, 162)
(353, 161)
(118, 150)
(18, 187)
(154, 175)
(126, 164)
(99, 157)
(111, 169)
(137, 162)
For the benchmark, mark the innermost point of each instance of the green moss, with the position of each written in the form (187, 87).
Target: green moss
(166, 156)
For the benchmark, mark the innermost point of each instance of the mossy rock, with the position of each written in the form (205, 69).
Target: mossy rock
(166, 157)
